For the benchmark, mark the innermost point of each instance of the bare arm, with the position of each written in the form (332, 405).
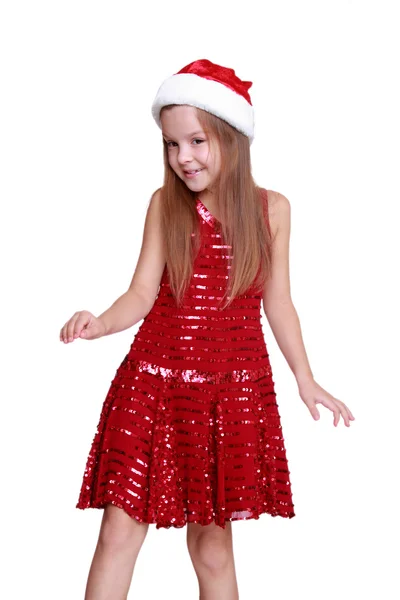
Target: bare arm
(283, 318)
(137, 301)
(126, 311)
(277, 302)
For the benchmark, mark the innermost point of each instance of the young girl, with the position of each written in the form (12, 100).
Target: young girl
(190, 433)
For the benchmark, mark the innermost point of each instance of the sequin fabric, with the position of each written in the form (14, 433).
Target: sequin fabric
(190, 431)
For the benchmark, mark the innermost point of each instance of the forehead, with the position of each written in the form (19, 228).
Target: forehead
(180, 121)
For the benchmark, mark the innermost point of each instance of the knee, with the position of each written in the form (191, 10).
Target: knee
(119, 531)
(210, 552)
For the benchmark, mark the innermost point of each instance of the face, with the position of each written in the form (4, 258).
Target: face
(193, 156)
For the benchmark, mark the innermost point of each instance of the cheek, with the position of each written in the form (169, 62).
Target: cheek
(217, 163)
(172, 160)
(208, 160)
(212, 161)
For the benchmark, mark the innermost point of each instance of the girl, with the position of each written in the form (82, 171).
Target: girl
(190, 433)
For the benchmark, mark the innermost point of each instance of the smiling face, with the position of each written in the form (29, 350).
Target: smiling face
(192, 154)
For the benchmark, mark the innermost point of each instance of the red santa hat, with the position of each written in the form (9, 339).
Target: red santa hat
(213, 88)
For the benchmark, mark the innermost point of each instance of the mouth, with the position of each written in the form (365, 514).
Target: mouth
(191, 174)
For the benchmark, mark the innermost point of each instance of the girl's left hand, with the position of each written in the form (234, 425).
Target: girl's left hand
(311, 393)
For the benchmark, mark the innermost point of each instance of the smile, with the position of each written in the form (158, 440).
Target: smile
(192, 174)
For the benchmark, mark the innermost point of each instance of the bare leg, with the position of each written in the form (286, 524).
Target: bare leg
(118, 546)
(211, 551)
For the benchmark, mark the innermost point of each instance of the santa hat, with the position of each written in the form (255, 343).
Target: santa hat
(213, 88)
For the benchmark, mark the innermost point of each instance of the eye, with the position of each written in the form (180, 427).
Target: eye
(168, 144)
(198, 140)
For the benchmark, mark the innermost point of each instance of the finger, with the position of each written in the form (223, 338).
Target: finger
(71, 326)
(83, 333)
(63, 334)
(314, 412)
(336, 406)
(81, 324)
(336, 419)
(350, 414)
(346, 408)
(346, 414)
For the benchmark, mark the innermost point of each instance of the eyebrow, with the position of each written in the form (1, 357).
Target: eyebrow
(190, 134)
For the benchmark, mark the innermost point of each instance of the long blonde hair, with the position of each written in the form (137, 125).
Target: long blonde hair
(242, 209)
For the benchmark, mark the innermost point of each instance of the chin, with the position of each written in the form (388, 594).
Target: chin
(196, 188)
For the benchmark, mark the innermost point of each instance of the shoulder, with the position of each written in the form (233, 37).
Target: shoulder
(154, 204)
(153, 211)
(156, 196)
(278, 211)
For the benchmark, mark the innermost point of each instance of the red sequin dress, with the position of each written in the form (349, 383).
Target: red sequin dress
(190, 430)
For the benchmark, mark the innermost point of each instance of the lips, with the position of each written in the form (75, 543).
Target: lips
(193, 171)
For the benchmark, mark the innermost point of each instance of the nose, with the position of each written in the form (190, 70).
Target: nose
(184, 154)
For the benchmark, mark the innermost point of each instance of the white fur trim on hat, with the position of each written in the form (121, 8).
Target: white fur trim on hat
(212, 96)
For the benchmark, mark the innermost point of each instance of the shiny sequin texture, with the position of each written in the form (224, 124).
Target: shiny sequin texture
(189, 431)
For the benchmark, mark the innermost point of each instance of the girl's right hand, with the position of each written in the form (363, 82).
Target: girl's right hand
(84, 325)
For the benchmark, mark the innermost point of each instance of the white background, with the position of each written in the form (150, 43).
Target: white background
(80, 158)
